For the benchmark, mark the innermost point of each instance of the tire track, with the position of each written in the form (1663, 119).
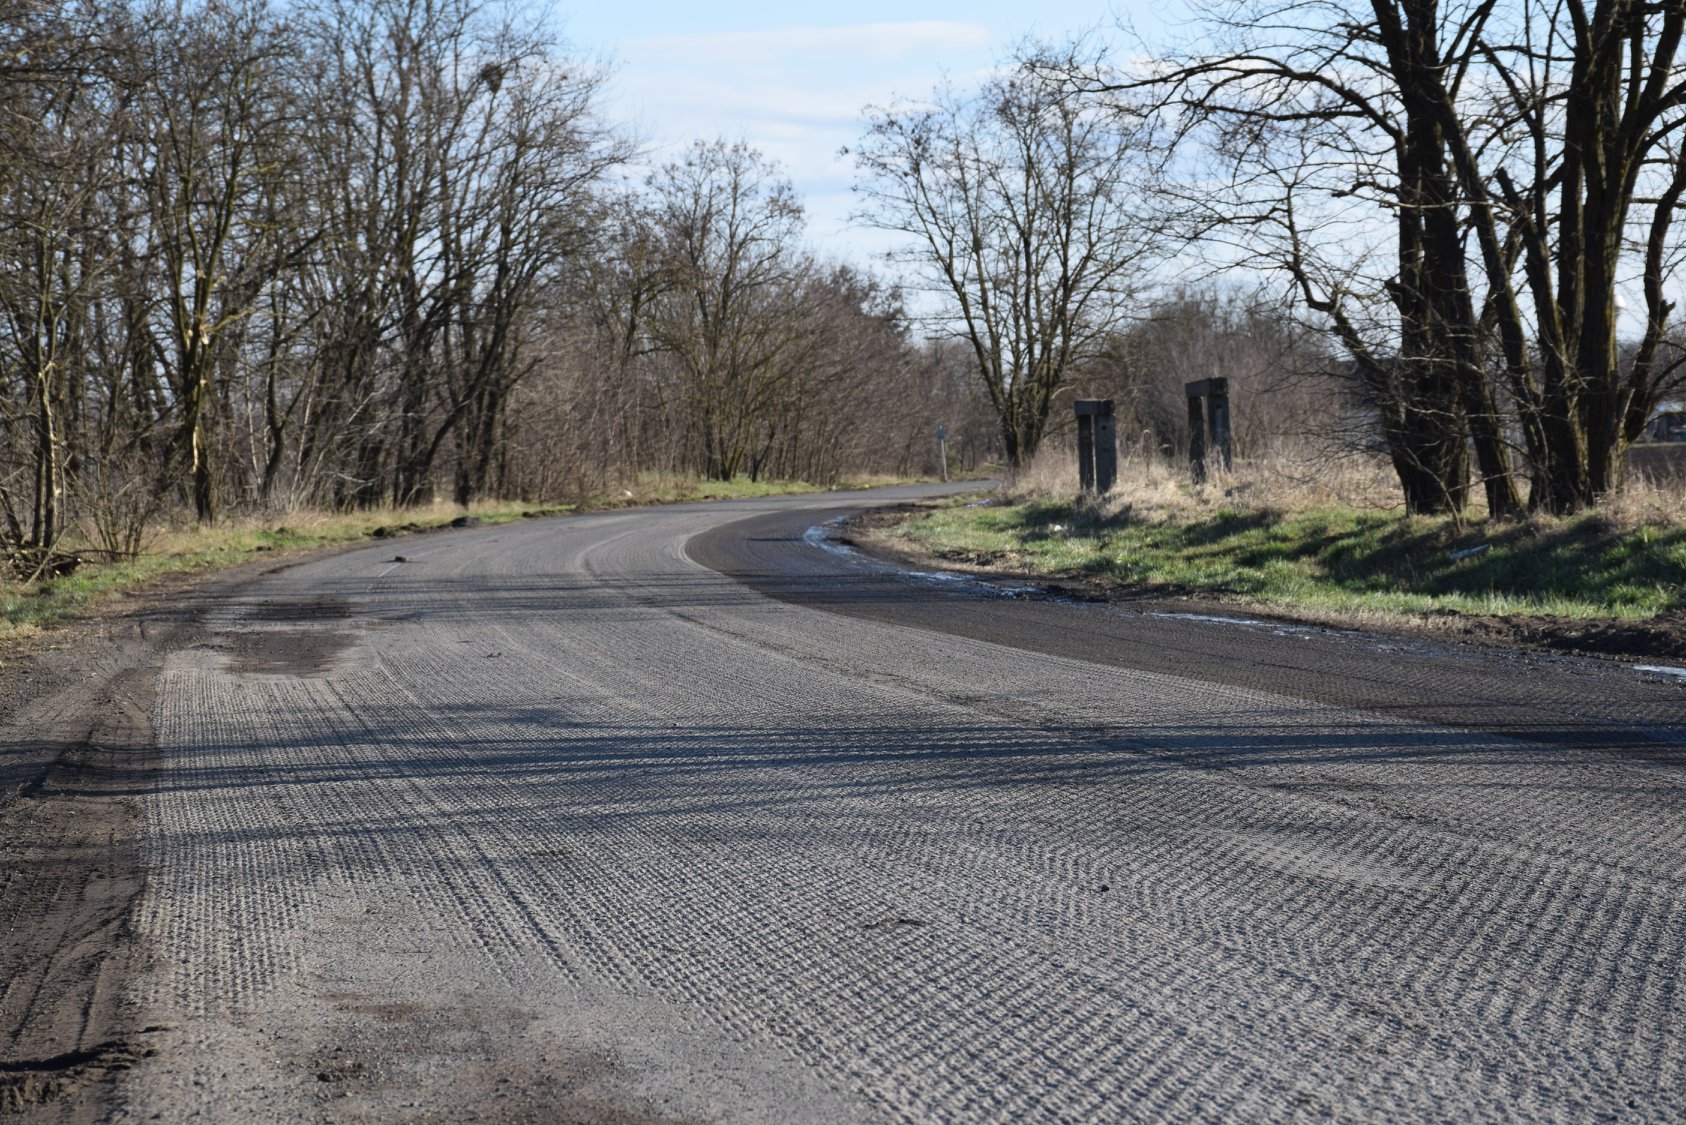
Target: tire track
(579, 798)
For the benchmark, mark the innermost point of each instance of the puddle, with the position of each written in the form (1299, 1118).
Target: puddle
(820, 536)
(1212, 618)
(1661, 670)
(1275, 627)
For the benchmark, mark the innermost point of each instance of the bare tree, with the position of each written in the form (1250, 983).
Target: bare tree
(728, 314)
(1017, 200)
(1590, 190)
(517, 215)
(49, 264)
(615, 292)
(1519, 158)
(457, 149)
(208, 124)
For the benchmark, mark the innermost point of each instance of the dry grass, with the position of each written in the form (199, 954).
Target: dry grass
(1646, 501)
(1295, 479)
(1291, 479)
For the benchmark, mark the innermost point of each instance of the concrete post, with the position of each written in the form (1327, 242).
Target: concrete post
(1196, 435)
(1097, 445)
(1208, 422)
(1086, 452)
(1217, 419)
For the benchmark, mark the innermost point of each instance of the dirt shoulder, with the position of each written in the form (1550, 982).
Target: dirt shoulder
(1661, 638)
(77, 757)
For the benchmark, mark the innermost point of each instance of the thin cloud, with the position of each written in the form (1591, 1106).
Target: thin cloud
(880, 41)
(795, 93)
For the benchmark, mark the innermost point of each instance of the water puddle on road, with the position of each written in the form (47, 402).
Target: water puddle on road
(820, 536)
(1277, 628)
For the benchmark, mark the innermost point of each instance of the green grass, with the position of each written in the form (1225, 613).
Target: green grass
(26, 608)
(1332, 559)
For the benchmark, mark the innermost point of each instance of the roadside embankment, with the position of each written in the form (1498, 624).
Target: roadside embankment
(1612, 581)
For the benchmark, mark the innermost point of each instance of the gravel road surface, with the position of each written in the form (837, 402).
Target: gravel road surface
(692, 814)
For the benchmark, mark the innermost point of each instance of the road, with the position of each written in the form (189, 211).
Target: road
(692, 814)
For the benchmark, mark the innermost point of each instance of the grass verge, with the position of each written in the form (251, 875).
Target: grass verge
(1321, 558)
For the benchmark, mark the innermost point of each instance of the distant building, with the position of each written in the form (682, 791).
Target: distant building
(1668, 422)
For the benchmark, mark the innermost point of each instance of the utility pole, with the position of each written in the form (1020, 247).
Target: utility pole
(942, 450)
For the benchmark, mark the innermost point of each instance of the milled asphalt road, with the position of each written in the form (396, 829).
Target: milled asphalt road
(553, 821)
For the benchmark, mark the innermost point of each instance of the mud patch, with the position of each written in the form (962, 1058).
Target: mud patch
(1661, 636)
(283, 611)
(28, 1085)
(286, 652)
(453, 1058)
(280, 637)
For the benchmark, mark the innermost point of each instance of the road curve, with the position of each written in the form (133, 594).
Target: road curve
(690, 814)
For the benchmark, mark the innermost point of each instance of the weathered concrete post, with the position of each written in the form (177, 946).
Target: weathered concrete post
(1196, 434)
(1085, 448)
(1217, 419)
(1208, 421)
(1106, 451)
(1097, 445)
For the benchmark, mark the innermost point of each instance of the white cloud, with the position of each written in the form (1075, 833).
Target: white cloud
(882, 41)
(795, 93)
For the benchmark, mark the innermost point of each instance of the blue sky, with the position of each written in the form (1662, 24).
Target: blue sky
(793, 81)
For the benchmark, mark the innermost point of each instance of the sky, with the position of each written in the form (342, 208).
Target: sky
(793, 81)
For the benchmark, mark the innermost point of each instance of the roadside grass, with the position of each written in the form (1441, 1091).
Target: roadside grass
(1262, 542)
(27, 607)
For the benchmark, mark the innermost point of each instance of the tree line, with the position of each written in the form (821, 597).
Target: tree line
(718, 342)
(340, 252)
(370, 252)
